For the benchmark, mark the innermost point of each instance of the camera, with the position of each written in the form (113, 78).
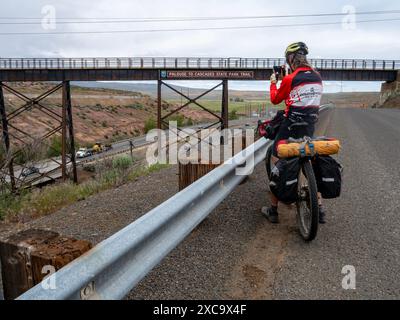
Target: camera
(280, 71)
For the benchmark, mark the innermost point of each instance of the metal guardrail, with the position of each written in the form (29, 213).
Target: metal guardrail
(188, 63)
(113, 267)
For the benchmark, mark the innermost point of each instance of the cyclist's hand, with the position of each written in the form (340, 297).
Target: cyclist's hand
(273, 78)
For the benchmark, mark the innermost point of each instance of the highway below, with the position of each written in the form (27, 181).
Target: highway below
(237, 254)
(50, 167)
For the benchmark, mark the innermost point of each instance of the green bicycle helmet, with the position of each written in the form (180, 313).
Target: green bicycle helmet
(297, 47)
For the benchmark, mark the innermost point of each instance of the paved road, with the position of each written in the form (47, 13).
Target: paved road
(364, 225)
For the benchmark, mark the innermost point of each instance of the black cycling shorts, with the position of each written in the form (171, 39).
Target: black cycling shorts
(295, 132)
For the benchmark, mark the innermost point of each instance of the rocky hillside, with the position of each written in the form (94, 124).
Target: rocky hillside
(99, 114)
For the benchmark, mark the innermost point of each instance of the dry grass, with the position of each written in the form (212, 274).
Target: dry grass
(40, 202)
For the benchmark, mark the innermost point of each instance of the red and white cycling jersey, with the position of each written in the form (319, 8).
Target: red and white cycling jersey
(301, 90)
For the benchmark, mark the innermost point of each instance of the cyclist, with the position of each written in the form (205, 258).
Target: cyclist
(302, 91)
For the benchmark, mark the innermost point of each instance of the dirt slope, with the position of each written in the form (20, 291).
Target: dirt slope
(98, 114)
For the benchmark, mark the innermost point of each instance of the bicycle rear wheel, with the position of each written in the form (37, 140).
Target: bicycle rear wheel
(307, 203)
(268, 161)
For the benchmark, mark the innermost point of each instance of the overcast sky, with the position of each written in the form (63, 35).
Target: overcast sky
(378, 40)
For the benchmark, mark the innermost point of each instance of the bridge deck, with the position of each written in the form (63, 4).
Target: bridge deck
(93, 69)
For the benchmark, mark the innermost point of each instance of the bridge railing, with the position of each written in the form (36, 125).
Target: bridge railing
(188, 63)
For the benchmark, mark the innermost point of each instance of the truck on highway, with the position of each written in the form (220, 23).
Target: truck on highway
(99, 147)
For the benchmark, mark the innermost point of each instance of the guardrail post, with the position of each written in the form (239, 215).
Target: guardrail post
(394, 65)
(176, 63)
(384, 65)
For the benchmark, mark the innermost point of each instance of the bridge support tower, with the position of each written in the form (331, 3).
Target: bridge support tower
(20, 149)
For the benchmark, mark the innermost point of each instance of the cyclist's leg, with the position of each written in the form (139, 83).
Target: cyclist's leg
(282, 134)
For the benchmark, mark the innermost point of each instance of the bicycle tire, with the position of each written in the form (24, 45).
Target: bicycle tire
(310, 232)
(268, 163)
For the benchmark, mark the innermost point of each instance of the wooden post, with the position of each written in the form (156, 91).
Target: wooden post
(28, 256)
(189, 173)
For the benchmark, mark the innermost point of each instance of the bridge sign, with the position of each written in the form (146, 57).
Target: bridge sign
(206, 74)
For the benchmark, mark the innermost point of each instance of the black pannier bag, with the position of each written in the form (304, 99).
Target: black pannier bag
(328, 173)
(269, 129)
(284, 180)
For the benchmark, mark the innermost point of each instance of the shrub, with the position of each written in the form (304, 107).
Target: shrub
(189, 122)
(122, 162)
(233, 115)
(149, 125)
(180, 120)
(55, 147)
(136, 106)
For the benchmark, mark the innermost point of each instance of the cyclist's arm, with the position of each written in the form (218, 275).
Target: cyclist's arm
(278, 95)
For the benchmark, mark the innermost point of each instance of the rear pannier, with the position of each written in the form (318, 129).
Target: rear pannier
(284, 180)
(328, 173)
